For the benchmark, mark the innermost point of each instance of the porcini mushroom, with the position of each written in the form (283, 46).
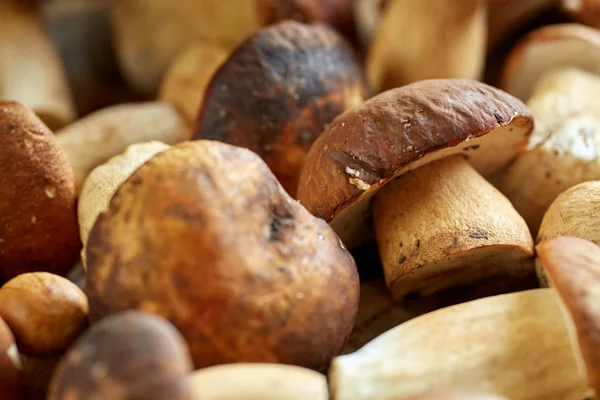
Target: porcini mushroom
(573, 267)
(31, 71)
(258, 381)
(96, 138)
(9, 364)
(148, 34)
(45, 312)
(297, 78)
(517, 344)
(204, 235)
(547, 48)
(38, 218)
(132, 355)
(437, 225)
(103, 182)
(564, 149)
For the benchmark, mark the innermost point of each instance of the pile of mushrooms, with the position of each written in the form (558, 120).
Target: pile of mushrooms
(299, 199)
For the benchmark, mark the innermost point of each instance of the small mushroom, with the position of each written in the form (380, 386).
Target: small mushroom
(10, 386)
(258, 381)
(413, 43)
(188, 76)
(518, 344)
(547, 48)
(31, 71)
(45, 312)
(38, 218)
(573, 267)
(296, 79)
(103, 182)
(204, 235)
(132, 355)
(148, 34)
(585, 11)
(96, 138)
(438, 222)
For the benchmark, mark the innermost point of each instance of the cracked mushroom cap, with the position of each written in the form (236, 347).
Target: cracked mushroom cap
(279, 91)
(573, 267)
(38, 218)
(204, 235)
(548, 48)
(400, 130)
(9, 364)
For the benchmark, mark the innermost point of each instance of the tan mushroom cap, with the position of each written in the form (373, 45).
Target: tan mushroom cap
(401, 130)
(573, 267)
(205, 236)
(132, 355)
(547, 48)
(258, 381)
(38, 217)
(296, 79)
(9, 364)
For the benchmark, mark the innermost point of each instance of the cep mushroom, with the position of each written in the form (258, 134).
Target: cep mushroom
(31, 71)
(547, 48)
(148, 34)
(418, 152)
(204, 235)
(10, 386)
(258, 381)
(38, 218)
(296, 79)
(132, 355)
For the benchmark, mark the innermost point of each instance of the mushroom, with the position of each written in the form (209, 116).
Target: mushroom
(45, 312)
(547, 48)
(38, 220)
(148, 34)
(188, 76)
(564, 149)
(297, 78)
(412, 43)
(96, 138)
(517, 344)
(573, 268)
(103, 182)
(586, 11)
(438, 222)
(31, 71)
(9, 364)
(258, 381)
(132, 355)
(204, 235)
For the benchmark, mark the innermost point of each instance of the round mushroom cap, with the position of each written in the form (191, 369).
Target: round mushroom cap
(132, 355)
(400, 130)
(547, 48)
(278, 92)
(38, 218)
(9, 364)
(204, 235)
(573, 266)
(46, 312)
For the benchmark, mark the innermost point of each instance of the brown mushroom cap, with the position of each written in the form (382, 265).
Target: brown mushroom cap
(400, 130)
(38, 219)
(204, 235)
(573, 267)
(547, 48)
(277, 93)
(132, 355)
(46, 312)
(9, 366)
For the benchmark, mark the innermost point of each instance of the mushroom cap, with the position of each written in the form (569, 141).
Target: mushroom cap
(400, 130)
(546, 48)
(278, 92)
(573, 267)
(38, 218)
(9, 365)
(46, 312)
(204, 235)
(132, 355)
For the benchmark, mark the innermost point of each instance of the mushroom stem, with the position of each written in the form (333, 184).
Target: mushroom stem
(444, 225)
(30, 68)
